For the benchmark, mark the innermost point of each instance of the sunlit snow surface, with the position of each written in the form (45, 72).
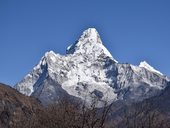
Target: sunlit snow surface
(145, 65)
(89, 71)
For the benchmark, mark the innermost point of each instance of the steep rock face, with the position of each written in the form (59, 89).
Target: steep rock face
(88, 70)
(15, 107)
(162, 101)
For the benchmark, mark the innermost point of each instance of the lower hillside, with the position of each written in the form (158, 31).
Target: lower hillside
(15, 107)
(20, 111)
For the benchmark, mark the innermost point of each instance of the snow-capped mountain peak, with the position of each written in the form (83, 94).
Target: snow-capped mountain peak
(89, 44)
(88, 70)
(49, 53)
(145, 65)
(91, 35)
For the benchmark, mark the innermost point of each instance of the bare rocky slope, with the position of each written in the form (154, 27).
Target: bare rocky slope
(15, 107)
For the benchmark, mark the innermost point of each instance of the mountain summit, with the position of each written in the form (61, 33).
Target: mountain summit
(89, 44)
(145, 65)
(89, 71)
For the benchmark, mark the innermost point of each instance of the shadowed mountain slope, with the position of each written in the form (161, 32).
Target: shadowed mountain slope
(15, 107)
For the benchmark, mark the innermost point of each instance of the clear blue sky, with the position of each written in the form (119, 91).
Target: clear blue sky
(132, 31)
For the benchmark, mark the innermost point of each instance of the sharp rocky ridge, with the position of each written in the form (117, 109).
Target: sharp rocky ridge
(89, 71)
